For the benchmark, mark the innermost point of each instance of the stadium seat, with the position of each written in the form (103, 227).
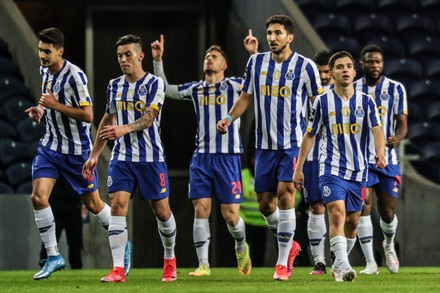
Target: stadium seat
(25, 188)
(332, 24)
(10, 86)
(15, 106)
(416, 113)
(404, 70)
(424, 49)
(424, 91)
(431, 152)
(8, 67)
(431, 7)
(396, 7)
(354, 8)
(429, 170)
(408, 26)
(19, 173)
(420, 134)
(391, 46)
(312, 8)
(28, 130)
(432, 69)
(8, 130)
(14, 151)
(433, 111)
(339, 42)
(6, 189)
(371, 25)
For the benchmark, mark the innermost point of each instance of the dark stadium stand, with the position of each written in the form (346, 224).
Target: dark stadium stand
(409, 33)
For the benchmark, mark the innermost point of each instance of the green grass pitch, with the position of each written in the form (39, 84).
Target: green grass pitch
(409, 279)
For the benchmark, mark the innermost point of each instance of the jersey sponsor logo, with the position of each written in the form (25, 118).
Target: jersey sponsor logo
(211, 100)
(326, 191)
(359, 112)
(290, 75)
(90, 186)
(163, 190)
(345, 128)
(263, 73)
(109, 181)
(274, 91)
(333, 113)
(130, 106)
(237, 196)
(142, 91)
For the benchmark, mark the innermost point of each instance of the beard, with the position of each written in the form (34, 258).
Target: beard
(280, 49)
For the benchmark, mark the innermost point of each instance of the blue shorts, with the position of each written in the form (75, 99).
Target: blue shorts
(352, 192)
(386, 180)
(311, 191)
(151, 178)
(272, 167)
(52, 164)
(216, 175)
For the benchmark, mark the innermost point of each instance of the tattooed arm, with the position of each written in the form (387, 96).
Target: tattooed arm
(112, 132)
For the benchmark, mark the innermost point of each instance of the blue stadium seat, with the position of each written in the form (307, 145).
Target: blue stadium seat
(429, 170)
(15, 106)
(332, 24)
(420, 134)
(433, 111)
(396, 7)
(8, 130)
(404, 70)
(25, 188)
(19, 173)
(354, 8)
(14, 151)
(6, 188)
(8, 67)
(10, 86)
(431, 7)
(371, 25)
(391, 46)
(28, 130)
(339, 42)
(431, 152)
(432, 69)
(408, 26)
(416, 113)
(312, 8)
(424, 91)
(424, 48)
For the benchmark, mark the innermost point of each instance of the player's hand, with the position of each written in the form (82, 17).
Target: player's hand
(88, 170)
(35, 113)
(48, 100)
(112, 132)
(251, 43)
(157, 49)
(298, 180)
(222, 125)
(393, 142)
(380, 161)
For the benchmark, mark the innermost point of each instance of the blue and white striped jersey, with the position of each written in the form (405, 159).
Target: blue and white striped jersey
(314, 153)
(390, 98)
(64, 134)
(346, 126)
(281, 92)
(212, 102)
(128, 101)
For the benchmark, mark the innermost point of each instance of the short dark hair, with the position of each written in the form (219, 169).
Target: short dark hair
(371, 49)
(339, 55)
(52, 36)
(129, 39)
(218, 49)
(281, 19)
(322, 57)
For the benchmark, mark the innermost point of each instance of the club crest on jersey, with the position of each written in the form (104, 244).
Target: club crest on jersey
(384, 96)
(290, 75)
(109, 181)
(223, 86)
(326, 191)
(276, 74)
(359, 112)
(56, 87)
(142, 91)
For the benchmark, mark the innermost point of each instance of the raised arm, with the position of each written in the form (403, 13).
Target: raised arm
(157, 49)
(251, 43)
